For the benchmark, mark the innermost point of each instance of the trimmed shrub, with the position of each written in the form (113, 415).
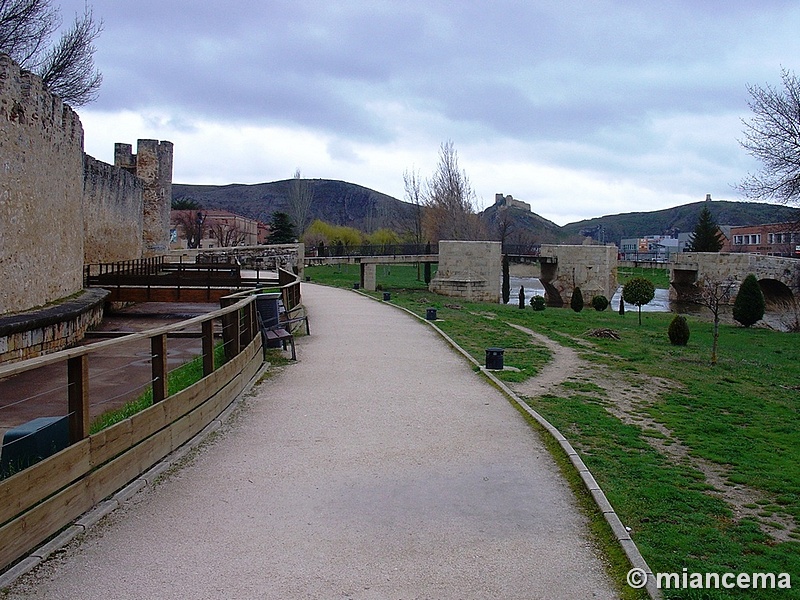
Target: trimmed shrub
(538, 303)
(638, 291)
(521, 297)
(576, 302)
(621, 306)
(600, 303)
(678, 331)
(749, 306)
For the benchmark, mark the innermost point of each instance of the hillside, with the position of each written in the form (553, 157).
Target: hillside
(523, 226)
(336, 202)
(344, 203)
(682, 219)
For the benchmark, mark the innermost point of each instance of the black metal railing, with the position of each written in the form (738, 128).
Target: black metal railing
(522, 249)
(337, 250)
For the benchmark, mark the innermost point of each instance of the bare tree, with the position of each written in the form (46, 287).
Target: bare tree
(192, 222)
(67, 67)
(450, 200)
(773, 137)
(25, 29)
(413, 193)
(227, 234)
(301, 197)
(713, 294)
(504, 223)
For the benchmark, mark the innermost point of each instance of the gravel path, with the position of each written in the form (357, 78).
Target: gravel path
(379, 466)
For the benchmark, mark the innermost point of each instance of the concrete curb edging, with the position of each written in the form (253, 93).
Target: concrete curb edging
(620, 532)
(109, 505)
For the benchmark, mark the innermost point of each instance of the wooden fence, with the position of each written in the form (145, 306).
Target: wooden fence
(37, 502)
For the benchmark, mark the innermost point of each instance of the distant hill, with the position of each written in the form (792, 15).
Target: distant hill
(682, 219)
(344, 203)
(336, 202)
(524, 225)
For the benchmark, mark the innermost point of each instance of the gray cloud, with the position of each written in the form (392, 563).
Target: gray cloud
(587, 84)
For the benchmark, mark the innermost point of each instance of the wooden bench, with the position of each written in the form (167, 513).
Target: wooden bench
(282, 331)
(278, 334)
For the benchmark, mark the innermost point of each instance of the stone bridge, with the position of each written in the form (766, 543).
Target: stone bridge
(473, 270)
(778, 277)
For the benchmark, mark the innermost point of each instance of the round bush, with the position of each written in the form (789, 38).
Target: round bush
(538, 303)
(576, 302)
(678, 331)
(600, 303)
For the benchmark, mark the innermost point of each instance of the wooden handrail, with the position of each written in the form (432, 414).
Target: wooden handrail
(62, 355)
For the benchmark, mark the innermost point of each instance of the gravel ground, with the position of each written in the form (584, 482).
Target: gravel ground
(379, 466)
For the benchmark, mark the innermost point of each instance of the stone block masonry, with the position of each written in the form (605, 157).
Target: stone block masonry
(113, 213)
(27, 335)
(60, 209)
(41, 189)
(470, 270)
(152, 165)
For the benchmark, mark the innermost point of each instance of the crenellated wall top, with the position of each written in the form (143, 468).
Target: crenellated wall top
(25, 101)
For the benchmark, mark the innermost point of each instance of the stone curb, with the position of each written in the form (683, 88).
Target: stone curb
(109, 505)
(621, 534)
(63, 311)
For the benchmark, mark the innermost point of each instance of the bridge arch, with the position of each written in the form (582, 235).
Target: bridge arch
(778, 277)
(776, 293)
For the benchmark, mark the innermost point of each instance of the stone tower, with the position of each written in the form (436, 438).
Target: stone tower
(152, 164)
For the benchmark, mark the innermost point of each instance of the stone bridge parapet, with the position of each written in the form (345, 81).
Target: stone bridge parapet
(778, 277)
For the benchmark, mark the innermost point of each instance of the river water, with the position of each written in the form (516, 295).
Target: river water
(533, 287)
(661, 303)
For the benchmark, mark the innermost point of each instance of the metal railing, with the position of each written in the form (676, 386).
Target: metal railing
(338, 250)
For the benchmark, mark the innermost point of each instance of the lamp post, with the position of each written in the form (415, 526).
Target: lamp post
(200, 219)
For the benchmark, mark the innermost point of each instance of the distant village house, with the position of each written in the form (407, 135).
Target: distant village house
(214, 229)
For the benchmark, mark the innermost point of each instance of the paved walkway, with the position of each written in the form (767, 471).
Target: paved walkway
(378, 467)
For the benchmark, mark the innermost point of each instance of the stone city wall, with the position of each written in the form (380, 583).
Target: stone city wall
(112, 209)
(41, 156)
(152, 164)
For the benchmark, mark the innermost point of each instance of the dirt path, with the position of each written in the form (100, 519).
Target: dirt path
(628, 396)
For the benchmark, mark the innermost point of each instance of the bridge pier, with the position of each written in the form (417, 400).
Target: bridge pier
(593, 269)
(469, 270)
(369, 277)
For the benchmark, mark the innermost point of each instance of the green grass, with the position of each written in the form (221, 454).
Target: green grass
(659, 277)
(179, 379)
(741, 415)
(388, 276)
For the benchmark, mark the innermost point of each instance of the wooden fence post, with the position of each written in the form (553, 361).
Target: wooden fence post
(208, 347)
(230, 331)
(158, 348)
(78, 397)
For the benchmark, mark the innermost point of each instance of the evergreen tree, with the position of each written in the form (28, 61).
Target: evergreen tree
(281, 229)
(749, 306)
(678, 331)
(576, 302)
(506, 280)
(706, 236)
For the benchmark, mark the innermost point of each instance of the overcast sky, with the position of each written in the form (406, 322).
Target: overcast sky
(580, 108)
